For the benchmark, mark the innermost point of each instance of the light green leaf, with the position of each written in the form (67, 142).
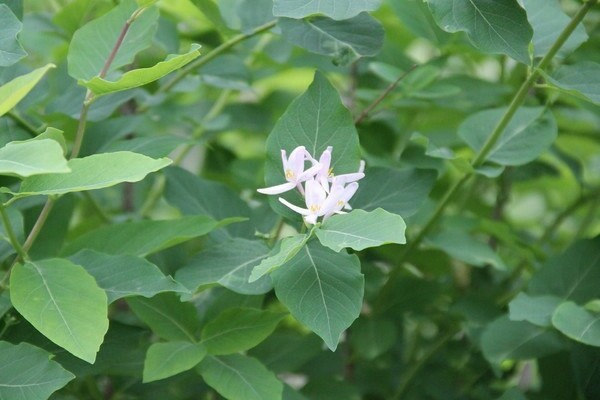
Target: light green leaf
(400, 192)
(238, 377)
(141, 238)
(535, 309)
(498, 27)
(32, 157)
(142, 76)
(92, 44)
(12, 92)
(580, 79)
(336, 9)
(228, 264)
(462, 246)
(55, 134)
(504, 339)
(548, 20)
(573, 275)
(26, 372)
(238, 329)
(167, 359)
(345, 41)
(577, 323)
(11, 50)
(123, 275)
(529, 133)
(95, 172)
(322, 289)
(287, 249)
(167, 316)
(361, 229)
(63, 302)
(316, 119)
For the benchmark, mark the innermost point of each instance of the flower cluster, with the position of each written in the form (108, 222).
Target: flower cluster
(324, 193)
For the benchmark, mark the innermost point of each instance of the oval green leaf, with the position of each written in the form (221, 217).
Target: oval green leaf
(167, 359)
(63, 302)
(32, 157)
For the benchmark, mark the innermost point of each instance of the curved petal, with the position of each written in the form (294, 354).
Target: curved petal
(284, 187)
(299, 210)
(315, 195)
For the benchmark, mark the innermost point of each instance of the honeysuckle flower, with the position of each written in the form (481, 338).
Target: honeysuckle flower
(325, 174)
(351, 177)
(338, 198)
(315, 198)
(293, 168)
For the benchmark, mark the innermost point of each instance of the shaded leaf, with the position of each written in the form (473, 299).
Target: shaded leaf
(11, 50)
(538, 310)
(141, 238)
(498, 27)
(124, 275)
(336, 9)
(238, 377)
(322, 289)
(63, 302)
(462, 246)
(228, 264)
(577, 323)
(167, 359)
(26, 372)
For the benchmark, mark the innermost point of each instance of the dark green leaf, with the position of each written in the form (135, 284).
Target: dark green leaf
(322, 289)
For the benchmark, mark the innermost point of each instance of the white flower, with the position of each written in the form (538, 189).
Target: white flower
(315, 198)
(293, 168)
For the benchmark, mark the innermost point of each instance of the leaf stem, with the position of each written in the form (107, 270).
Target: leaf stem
(365, 113)
(22, 123)
(214, 53)
(11, 234)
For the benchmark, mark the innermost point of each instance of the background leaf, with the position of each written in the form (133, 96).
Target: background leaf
(171, 358)
(336, 9)
(95, 172)
(11, 93)
(92, 44)
(530, 132)
(322, 289)
(238, 377)
(580, 79)
(535, 309)
(360, 229)
(509, 34)
(577, 323)
(26, 372)
(63, 302)
(345, 41)
(11, 50)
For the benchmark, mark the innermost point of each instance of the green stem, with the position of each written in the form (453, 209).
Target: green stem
(11, 234)
(99, 210)
(22, 123)
(214, 53)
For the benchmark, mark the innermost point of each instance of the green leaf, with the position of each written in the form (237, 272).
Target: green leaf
(246, 15)
(32, 157)
(142, 76)
(167, 359)
(124, 275)
(497, 27)
(26, 372)
(193, 195)
(11, 50)
(54, 134)
(573, 275)
(287, 249)
(63, 302)
(316, 119)
(529, 133)
(462, 246)
(322, 289)
(238, 329)
(504, 339)
(93, 43)
(548, 20)
(141, 238)
(154, 146)
(238, 377)
(360, 230)
(12, 92)
(336, 9)
(579, 79)
(577, 323)
(345, 41)
(228, 264)
(94, 172)
(535, 309)
(396, 191)
(373, 337)
(167, 316)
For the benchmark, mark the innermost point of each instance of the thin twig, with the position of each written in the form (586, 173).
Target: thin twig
(383, 95)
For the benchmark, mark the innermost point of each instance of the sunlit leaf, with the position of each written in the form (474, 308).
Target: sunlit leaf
(12, 92)
(171, 358)
(336, 9)
(287, 249)
(32, 157)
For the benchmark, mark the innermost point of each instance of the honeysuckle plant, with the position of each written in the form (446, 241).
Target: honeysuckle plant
(299, 200)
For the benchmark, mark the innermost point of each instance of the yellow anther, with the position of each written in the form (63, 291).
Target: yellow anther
(289, 174)
(314, 208)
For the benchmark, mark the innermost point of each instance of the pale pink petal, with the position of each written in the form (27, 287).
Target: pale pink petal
(347, 178)
(349, 191)
(315, 194)
(299, 210)
(296, 161)
(284, 187)
(309, 173)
